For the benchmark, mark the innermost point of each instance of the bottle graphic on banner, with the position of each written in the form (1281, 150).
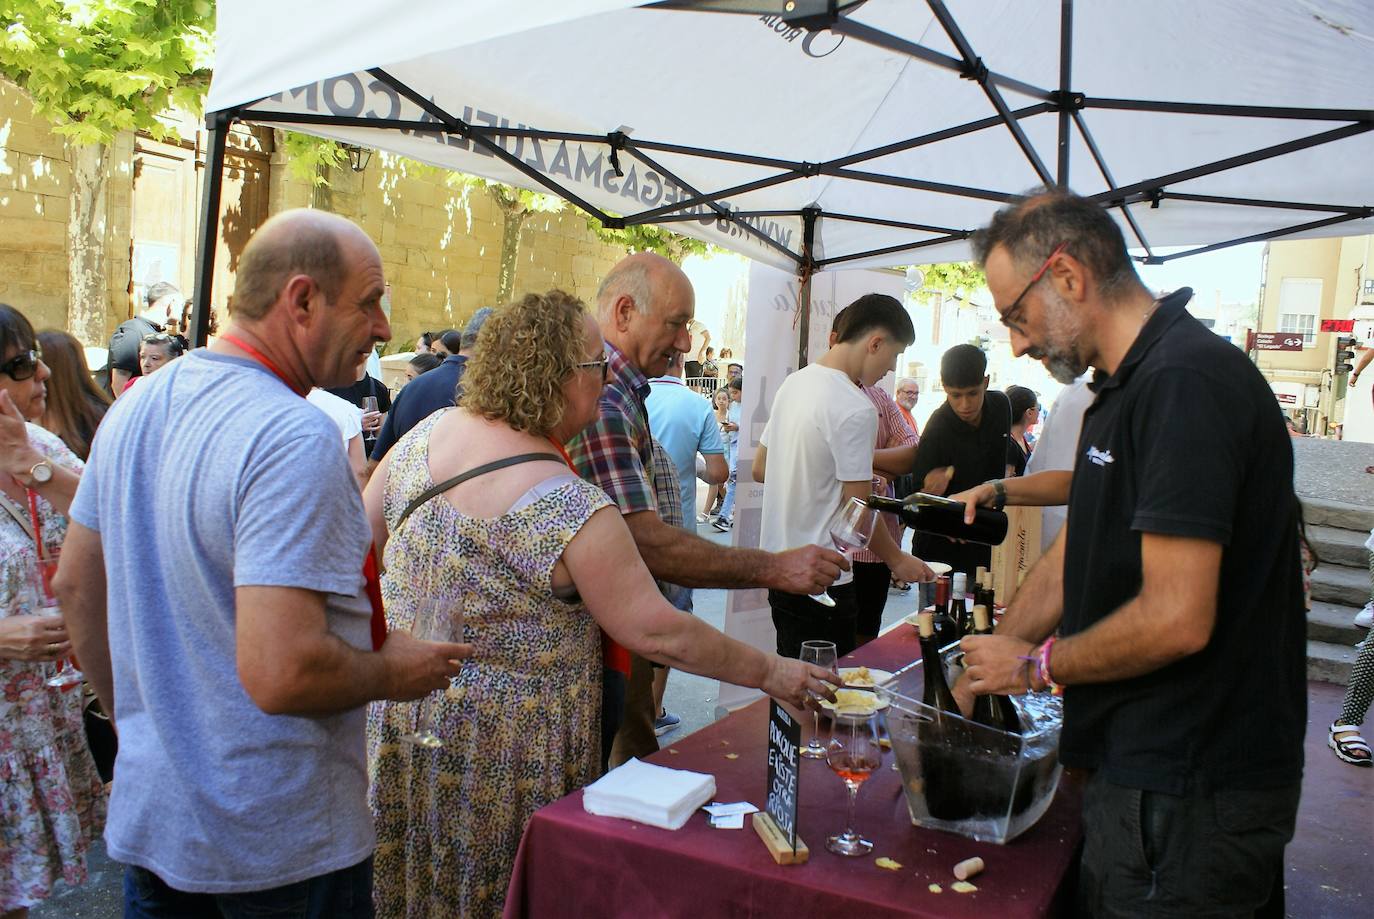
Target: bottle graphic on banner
(759, 419)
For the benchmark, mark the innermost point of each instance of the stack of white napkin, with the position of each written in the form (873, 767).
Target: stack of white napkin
(649, 794)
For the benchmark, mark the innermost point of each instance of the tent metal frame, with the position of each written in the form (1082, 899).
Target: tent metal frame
(1066, 103)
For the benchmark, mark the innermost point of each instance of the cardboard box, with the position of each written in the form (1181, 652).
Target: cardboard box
(1017, 553)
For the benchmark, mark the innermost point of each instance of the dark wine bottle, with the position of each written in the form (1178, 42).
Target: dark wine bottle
(937, 694)
(944, 517)
(993, 710)
(954, 615)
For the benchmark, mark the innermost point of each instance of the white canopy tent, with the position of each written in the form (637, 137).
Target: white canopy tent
(815, 133)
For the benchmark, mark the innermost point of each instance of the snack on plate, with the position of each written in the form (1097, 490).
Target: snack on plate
(858, 676)
(887, 863)
(962, 887)
(936, 888)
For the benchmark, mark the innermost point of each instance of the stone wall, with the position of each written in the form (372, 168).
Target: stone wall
(35, 192)
(441, 247)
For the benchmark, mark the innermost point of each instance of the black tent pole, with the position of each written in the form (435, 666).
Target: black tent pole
(217, 128)
(1065, 75)
(808, 269)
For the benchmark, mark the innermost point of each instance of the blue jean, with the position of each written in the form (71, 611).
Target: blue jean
(346, 893)
(727, 507)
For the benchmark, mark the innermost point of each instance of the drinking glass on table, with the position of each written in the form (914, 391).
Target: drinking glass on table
(822, 654)
(850, 529)
(45, 602)
(435, 620)
(854, 754)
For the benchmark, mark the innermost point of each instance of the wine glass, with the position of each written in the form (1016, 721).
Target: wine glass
(435, 620)
(822, 654)
(850, 529)
(42, 573)
(853, 753)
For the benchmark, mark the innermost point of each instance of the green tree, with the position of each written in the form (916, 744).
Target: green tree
(516, 205)
(95, 68)
(649, 238)
(949, 279)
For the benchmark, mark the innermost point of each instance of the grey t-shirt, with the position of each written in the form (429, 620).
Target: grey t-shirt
(212, 475)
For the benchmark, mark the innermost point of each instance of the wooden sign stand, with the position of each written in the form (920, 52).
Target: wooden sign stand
(776, 841)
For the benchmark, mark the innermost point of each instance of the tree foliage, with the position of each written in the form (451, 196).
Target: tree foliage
(649, 238)
(950, 278)
(97, 67)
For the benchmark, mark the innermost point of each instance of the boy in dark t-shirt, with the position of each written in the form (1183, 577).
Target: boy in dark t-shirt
(964, 444)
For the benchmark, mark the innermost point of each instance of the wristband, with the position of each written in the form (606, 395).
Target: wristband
(1043, 666)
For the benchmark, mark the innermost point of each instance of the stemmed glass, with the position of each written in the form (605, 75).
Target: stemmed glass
(854, 754)
(822, 654)
(850, 529)
(44, 569)
(435, 620)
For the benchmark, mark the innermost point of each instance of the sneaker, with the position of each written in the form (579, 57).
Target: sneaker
(1364, 619)
(665, 723)
(723, 524)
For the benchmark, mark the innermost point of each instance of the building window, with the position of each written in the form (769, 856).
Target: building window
(1300, 303)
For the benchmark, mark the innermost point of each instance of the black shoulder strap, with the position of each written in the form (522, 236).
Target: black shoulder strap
(472, 474)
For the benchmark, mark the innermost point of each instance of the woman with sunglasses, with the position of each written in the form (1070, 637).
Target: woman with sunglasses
(52, 801)
(541, 561)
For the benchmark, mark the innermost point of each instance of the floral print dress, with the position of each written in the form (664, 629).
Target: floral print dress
(520, 725)
(52, 802)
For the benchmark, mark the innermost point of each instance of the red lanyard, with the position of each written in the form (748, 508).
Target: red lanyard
(562, 452)
(263, 359)
(372, 582)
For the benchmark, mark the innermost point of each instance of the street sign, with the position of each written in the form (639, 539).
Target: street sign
(1338, 325)
(1278, 341)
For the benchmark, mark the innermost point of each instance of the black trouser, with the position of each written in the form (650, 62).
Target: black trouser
(1146, 853)
(613, 685)
(871, 583)
(798, 618)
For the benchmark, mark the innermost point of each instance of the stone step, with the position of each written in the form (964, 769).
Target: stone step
(1335, 584)
(1337, 546)
(1328, 663)
(1328, 513)
(1334, 623)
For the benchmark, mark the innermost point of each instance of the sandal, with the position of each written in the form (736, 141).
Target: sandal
(1350, 748)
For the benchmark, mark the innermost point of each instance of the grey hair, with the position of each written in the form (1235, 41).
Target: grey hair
(474, 326)
(912, 380)
(1031, 228)
(628, 279)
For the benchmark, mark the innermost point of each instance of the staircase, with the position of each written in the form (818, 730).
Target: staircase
(1340, 585)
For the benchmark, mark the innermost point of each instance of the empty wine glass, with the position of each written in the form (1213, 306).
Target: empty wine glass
(822, 654)
(850, 529)
(854, 754)
(435, 620)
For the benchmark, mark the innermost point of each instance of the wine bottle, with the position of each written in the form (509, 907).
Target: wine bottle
(936, 694)
(993, 710)
(944, 517)
(954, 616)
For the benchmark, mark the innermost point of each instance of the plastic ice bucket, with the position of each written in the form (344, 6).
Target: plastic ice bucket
(967, 778)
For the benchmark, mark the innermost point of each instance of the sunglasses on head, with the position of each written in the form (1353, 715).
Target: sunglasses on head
(23, 365)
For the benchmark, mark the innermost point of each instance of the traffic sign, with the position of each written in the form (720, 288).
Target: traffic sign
(1278, 341)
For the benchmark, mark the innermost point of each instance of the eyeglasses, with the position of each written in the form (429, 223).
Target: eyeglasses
(22, 366)
(604, 364)
(1011, 318)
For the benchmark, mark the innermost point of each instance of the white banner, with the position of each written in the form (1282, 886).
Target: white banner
(771, 336)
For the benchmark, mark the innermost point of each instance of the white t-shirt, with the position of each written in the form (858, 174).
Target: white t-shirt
(820, 433)
(347, 416)
(1056, 448)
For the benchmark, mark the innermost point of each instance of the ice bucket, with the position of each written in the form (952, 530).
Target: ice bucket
(967, 778)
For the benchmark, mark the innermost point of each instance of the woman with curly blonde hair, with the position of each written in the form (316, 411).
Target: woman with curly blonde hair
(542, 561)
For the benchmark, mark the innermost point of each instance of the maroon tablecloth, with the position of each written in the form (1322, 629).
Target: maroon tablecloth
(572, 863)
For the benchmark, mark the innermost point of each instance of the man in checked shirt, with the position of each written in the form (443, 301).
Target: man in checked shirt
(645, 304)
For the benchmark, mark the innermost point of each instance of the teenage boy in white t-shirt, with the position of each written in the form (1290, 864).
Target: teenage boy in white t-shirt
(821, 433)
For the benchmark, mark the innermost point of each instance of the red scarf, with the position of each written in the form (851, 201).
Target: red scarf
(371, 578)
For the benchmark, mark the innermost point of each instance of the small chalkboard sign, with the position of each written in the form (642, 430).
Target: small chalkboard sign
(784, 740)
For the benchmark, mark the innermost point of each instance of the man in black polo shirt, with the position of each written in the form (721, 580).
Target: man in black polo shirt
(968, 434)
(1175, 586)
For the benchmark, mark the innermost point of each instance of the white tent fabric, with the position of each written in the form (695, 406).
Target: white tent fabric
(775, 98)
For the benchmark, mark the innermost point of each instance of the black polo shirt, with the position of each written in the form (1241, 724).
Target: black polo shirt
(1186, 439)
(977, 453)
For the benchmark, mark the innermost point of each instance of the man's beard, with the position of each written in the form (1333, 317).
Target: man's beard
(1063, 327)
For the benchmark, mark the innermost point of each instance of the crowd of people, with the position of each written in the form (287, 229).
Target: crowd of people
(351, 644)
